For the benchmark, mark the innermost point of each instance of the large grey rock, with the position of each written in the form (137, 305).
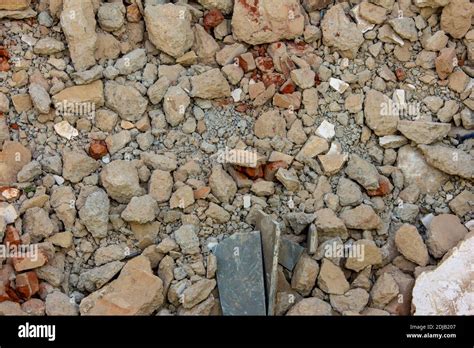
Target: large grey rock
(125, 100)
(240, 275)
(120, 180)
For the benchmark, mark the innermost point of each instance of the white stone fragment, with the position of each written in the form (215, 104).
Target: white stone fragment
(426, 220)
(236, 93)
(362, 24)
(8, 212)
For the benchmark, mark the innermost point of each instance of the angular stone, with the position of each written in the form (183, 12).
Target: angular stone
(131, 62)
(353, 300)
(410, 244)
(39, 97)
(210, 85)
(141, 209)
(349, 193)
(175, 103)
(372, 13)
(331, 279)
(304, 275)
(78, 24)
(377, 116)
(77, 165)
(456, 18)
(462, 203)
(47, 46)
(444, 232)
(384, 290)
(329, 225)
(340, 32)
(447, 290)
(417, 172)
(125, 101)
(310, 306)
(363, 217)
(288, 179)
(135, 292)
(15, 5)
(197, 292)
(449, 160)
(240, 257)
(364, 253)
(187, 239)
(91, 93)
(222, 185)
(97, 277)
(120, 180)
(264, 21)
(37, 223)
(405, 27)
(314, 146)
(423, 132)
(160, 185)
(169, 28)
(270, 124)
(290, 253)
(299, 221)
(270, 236)
(363, 172)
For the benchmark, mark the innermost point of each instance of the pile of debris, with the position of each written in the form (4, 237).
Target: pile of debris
(196, 157)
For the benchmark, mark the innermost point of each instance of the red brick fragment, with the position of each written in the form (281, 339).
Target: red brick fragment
(27, 284)
(212, 19)
(98, 149)
(271, 169)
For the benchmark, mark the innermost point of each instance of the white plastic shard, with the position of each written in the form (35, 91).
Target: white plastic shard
(65, 130)
(338, 85)
(326, 130)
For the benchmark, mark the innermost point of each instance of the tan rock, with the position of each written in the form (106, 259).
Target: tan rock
(267, 21)
(310, 306)
(169, 28)
(329, 225)
(449, 289)
(458, 81)
(376, 115)
(13, 158)
(362, 217)
(15, 5)
(449, 160)
(384, 290)
(270, 124)
(422, 132)
(462, 203)
(197, 292)
(331, 279)
(78, 23)
(364, 253)
(456, 18)
(372, 13)
(210, 85)
(304, 275)
(445, 62)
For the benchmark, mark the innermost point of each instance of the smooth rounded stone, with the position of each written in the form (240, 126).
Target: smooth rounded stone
(267, 21)
(340, 32)
(111, 16)
(141, 209)
(363, 253)
(160, 185)
(58, 303)
(444, 232)
(353, 300)
(448, 289)
(126, 101)
(304, 275)
(77, 165)
(331, 279)
(384, 290)
(348, 192)
(169, 28)
(310, 306)
(410, 244)
(120, 180)
(363, 217)
(47, 46)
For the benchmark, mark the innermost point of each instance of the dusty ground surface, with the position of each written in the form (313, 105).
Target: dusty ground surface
(116, 118)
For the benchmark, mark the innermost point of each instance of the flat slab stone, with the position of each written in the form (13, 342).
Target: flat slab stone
(290, 253)
(270, 232)
(240, 275)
